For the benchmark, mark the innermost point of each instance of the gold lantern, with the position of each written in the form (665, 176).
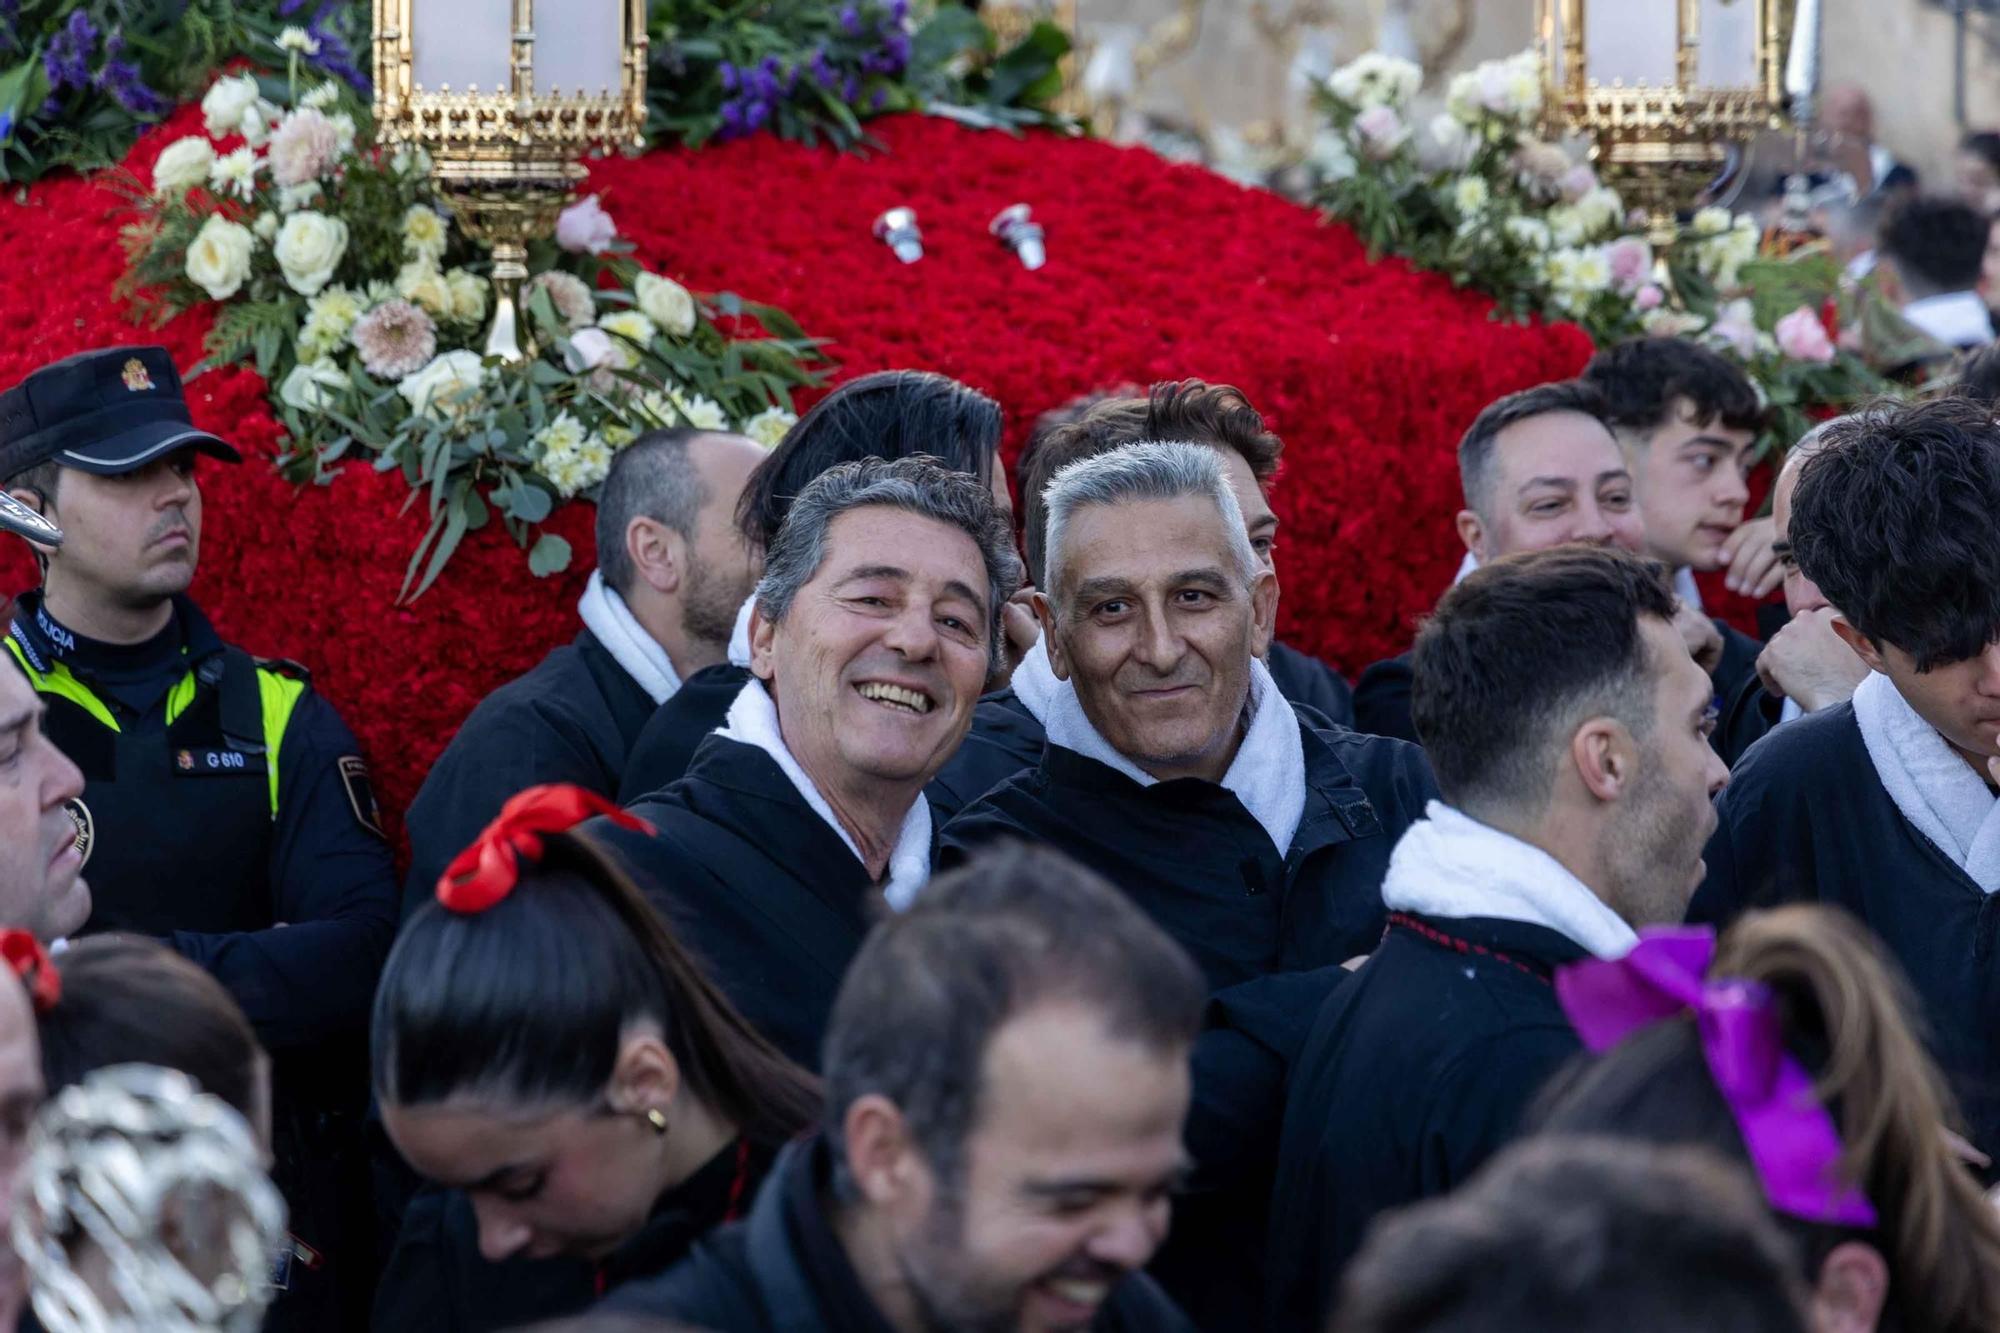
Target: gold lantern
(1664, 89)
(505, 96)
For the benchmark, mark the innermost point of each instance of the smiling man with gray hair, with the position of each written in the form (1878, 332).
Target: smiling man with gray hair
(1176, 769)
(802, 819)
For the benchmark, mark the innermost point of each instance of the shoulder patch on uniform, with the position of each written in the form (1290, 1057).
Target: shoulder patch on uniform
(284, 666)
(361, 794)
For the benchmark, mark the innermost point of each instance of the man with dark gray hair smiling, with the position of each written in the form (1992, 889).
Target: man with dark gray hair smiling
(802, 820)
(1176, 769)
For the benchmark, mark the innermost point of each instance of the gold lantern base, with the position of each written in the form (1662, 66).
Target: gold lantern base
(503, 203)
(1661, 147)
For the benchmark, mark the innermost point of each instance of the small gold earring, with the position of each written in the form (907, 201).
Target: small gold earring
(658, 1120)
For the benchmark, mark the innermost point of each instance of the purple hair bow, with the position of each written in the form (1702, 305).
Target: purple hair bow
(1792, 1139)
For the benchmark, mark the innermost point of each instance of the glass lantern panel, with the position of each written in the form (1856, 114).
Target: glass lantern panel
(463, 44)
(1630, 41)
(1727, 56)
(579, 47)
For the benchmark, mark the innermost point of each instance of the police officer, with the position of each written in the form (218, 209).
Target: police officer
(233, 816)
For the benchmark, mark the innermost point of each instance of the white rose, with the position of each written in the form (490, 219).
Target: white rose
(310, 246)
(445, 383)
(266, 226)
(629, 324)
(666, 303)
(699, 412)
(219, 259)
(420, 281)
(468, 296)
(258, 118)
(182, 165)
(223, 106)
(769, 426)
(1447, 146)
(306, 388)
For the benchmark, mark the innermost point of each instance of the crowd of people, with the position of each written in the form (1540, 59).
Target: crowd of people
(926, 898)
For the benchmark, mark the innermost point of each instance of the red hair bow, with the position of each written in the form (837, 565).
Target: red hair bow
(31, 963)
(488, 870)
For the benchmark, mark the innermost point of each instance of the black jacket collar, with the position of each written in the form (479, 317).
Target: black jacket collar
(1535, 950)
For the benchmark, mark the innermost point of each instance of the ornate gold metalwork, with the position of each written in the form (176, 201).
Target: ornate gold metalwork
(506, 158)
(1659, 146)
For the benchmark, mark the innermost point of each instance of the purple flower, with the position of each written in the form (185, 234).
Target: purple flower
(335, 56)
(899, 10)
(126, 86)
(759, 113)
(879, 100)
(896, 52)
(764, 83)
(67, 59)
(850, 21)
(850, 88)
(728, 72)
(823, 73)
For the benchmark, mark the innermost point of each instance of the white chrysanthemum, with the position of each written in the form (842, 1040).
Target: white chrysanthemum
(769, 426)
(425, 233)
(1591, 272)
(594, 459)
(235, 173)
(1375, 79)
(321, 96)
(699, 412)
(1470, 195)
(299, 40)
(1711, 221)
(329, 317)
(182, 165)
(1600, 210)
(420, 281)
(564, 434)
(630, 324)
(1530, 232)
(560, 454)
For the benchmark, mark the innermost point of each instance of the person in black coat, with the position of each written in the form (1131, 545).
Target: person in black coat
(803, 819)
(671, 570)
(1006, 1074)
(1538, 468)
(1567, 725)
(1885, 805)
(1255, 839)
(582, 1100)
(889, 414)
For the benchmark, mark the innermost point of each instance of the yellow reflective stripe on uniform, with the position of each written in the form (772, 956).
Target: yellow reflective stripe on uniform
(59, 682)
(280, 694)
(179, 697)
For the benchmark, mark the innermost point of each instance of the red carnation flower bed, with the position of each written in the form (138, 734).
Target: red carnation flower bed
(1369, 371)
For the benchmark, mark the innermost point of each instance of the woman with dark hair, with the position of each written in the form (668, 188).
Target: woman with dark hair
(583, 1100)
(1788, 1047)
(889, 414)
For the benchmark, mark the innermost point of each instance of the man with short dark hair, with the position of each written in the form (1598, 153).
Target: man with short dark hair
(1885, 805)
(1006, 1076)
(672, 567)
(1537, 468)
(1175, 768)
(803, 819)
(1568, 729)
(1586, 1236)
(1008, 729)
(1930, 259)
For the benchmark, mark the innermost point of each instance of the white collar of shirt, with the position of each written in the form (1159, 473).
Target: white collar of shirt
(753, 720)
(1268, 775)
(1451, 865)
(739, 635)
(1956, 319)
(1932, 786)
(605, 614)
(1684, 585)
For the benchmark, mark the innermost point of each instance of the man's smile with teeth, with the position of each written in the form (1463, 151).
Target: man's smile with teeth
(896, 695)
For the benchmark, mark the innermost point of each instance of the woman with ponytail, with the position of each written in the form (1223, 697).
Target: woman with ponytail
(583, 1101)
(1788, 1046)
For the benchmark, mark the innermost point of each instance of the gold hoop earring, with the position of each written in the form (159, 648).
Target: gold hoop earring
(658, 1120)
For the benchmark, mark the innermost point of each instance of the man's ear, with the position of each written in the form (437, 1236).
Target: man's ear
(658, 554)
(1046, 614)
(1472, 532)
(1850, 1290)
(1264, 608)
(1604, 757)
(881, 1156)
(1863, 647)
(38, 502)
(763, 643)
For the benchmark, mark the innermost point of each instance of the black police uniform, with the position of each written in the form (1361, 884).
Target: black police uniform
(233, 818)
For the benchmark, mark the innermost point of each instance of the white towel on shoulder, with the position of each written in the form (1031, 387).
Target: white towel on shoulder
(605, 614)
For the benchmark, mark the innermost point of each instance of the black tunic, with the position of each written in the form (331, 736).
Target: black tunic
(783, 1269)
(437, 1282)
(1415, 1073)
(1005, 739)
(1805, 819)
(666, 744)
(571, 719)
(1269, 932)
(1382, 699)
(758, 887)
(1305, 679)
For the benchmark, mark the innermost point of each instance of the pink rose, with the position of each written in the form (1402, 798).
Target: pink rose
(1631, 261)
(585, 228)
(1648, 297)
(1382, 131)
(1803, 338)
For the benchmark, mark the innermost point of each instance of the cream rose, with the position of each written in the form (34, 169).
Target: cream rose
(666, 303)
(182, 165)
(222, 107)
(306, 388)
(468, 296)
(420, 281)
(219, 259)
(310, 246)
(445, 384)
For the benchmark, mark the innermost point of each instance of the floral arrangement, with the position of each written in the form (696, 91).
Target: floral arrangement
(338, 272)
(1473, 193)
(78, 81)
(814, 70)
